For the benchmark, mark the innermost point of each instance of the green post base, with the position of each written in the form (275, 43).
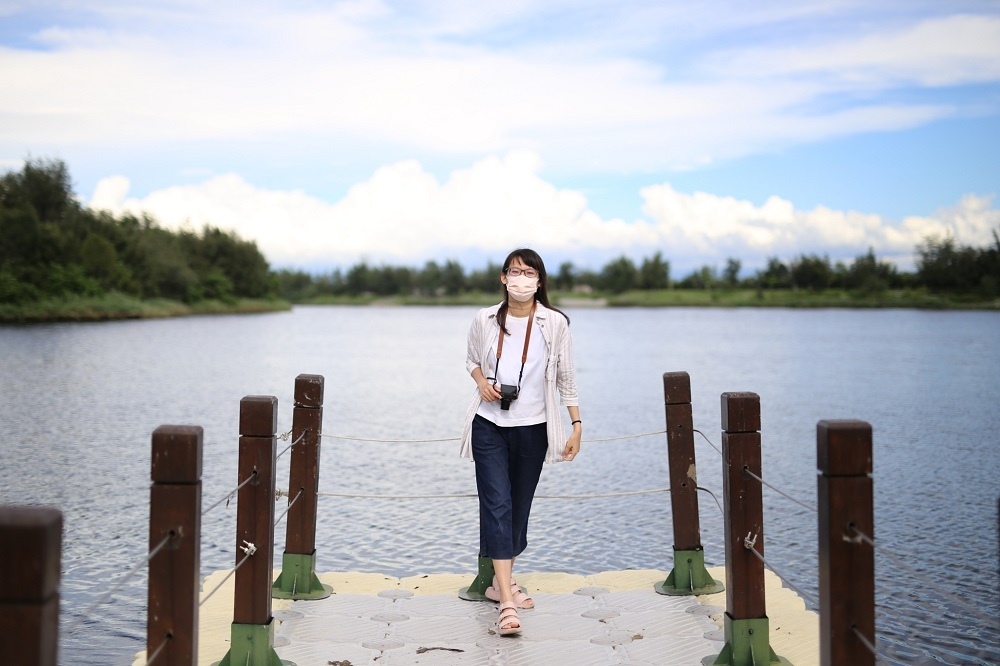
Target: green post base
(746, 645)
(689, 576)
(477, 591)
(252, 645)
(298, 580)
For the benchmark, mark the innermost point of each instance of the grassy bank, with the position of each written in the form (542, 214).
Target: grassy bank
(787, 298)
(912, 299)
(119, 306)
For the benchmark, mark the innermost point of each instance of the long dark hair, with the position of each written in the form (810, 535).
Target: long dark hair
(534, 260)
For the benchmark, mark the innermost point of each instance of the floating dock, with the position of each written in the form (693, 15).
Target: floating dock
(610, 618)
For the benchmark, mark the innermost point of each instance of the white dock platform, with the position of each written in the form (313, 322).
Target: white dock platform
(611, 618)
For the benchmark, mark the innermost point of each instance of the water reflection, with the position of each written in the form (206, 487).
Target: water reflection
(81, 401)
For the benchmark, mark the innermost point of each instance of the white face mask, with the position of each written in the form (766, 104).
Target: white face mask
(522, 288)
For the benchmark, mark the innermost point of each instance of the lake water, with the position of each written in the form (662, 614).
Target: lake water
(80, 401)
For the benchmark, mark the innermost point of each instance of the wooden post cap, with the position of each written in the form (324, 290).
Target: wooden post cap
(258, 416)
(176, 454)
(676, 388)
(309, 391)
(844, 448)
(31, 552)
(740, 411)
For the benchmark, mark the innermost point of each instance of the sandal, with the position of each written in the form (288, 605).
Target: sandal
(520, 597)
(508, 623)
(521, 600)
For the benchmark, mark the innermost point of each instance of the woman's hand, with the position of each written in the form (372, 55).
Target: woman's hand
(487, 391)
(573, 443)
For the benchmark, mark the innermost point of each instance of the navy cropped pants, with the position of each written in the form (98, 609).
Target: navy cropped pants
(508, 465)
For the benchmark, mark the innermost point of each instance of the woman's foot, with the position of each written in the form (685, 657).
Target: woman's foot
(508, 624)
(521, 600)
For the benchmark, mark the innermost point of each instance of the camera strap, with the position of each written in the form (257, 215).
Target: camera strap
(524, 354)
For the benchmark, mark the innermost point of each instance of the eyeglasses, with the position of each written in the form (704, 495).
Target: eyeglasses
(526, 272)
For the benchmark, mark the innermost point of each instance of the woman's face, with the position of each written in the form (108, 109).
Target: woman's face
(518, 266)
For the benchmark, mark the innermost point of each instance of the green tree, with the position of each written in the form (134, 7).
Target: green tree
(565, 278)
(452, 278)
(240, 261)
(47, 188)
(702, 278)
(654, 273)
(943, 265)
(487, 280)
(295, 286)
(100, 260)
(869, 275)
(811, 272)
(775, 276)
(620, 275)
(731, 274)
(20, 233)
(431, 279)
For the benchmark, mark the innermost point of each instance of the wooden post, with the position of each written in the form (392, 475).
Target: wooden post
(298, 578)
(744, 502)
(680, 454)
(307, 422)
(689, 575)
(255, 509)
(746, 624)
(846, 562)
(252, 631)
(175, 571)
(29, 596)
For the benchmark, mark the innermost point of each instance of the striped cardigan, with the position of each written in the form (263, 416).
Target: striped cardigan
(560, 376)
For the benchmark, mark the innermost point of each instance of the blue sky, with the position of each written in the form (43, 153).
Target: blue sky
(399, 132)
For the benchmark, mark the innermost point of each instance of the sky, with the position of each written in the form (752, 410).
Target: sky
(397, 133)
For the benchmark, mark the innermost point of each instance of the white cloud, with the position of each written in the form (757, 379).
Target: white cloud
(713, 228)
(943, 51)
(402, 215)
(473, 81)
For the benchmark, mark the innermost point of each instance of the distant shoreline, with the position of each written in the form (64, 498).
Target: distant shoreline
(115, 307)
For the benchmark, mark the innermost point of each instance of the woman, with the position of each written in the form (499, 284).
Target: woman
(514, 425)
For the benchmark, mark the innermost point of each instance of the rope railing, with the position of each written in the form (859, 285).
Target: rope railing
(371, 440)
(746, 470)
(230, 494)
(158, 651)
(124, 579)
(624, 493)
(375, 496)
(249, 549)
(287, 508)
(717, 502)
(812, 602)
(710, 442)
(969, 608)
(286, 436)
(864, 641)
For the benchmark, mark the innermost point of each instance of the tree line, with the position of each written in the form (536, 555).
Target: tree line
(942, 266)
(53, 247)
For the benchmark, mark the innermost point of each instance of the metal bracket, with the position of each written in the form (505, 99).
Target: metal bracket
(689, 576)
(298, 579)
(477, 590)
(252, 645)
(746, 645)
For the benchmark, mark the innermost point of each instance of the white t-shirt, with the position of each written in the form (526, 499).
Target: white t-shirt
(529, 408)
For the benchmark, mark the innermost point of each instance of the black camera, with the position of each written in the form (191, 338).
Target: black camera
(507, 393)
